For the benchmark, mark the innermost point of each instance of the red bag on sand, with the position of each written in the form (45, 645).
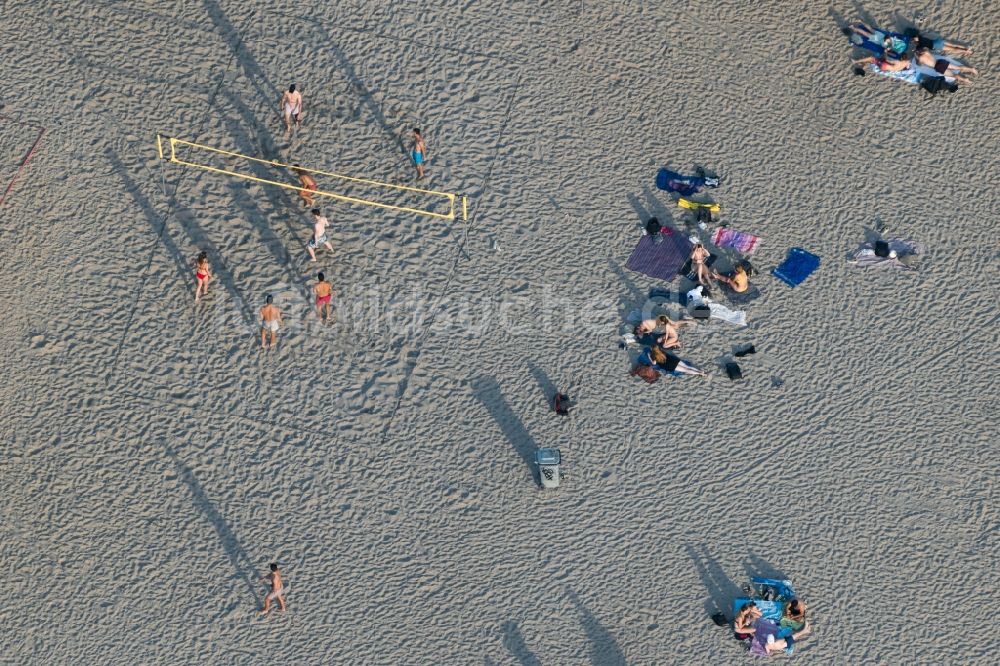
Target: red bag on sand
(647, 373)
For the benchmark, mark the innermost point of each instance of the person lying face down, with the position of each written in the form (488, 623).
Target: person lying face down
(670, 337)
(667, 364)
(944, 66)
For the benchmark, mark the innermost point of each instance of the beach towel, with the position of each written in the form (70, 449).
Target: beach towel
(876, 43)
(671, 181)
(865, 256)
(796, 267)
(734, 317)
(660, 260)
(695, 205)
(737, 240)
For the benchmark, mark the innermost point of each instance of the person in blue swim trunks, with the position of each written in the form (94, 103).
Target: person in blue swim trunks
(419, 152)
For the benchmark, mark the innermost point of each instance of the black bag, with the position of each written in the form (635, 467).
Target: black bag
(936, 84)
(733, 371)
(653, 226)
(881, 249)
(701, 312)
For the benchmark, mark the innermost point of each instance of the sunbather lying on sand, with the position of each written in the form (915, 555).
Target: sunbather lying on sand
(670, 337)
(944, 66)
(885, 65)
(667, 364)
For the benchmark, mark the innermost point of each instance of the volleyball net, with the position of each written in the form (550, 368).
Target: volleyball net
(349, 189)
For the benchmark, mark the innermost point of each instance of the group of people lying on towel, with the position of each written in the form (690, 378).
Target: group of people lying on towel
(661, 338)
(910, 57)
(766, 636)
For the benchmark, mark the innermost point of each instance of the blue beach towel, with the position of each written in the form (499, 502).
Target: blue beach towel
(671, 181)
(796, 267)
(876, 43)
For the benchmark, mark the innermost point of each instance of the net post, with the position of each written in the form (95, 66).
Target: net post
(465, 209)
(159, 145)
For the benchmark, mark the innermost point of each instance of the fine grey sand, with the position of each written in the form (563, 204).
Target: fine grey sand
(155, 460)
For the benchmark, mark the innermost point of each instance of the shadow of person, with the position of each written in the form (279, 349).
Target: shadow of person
(513, 641)
(604, 650)
(544, 383)
(230, 544)
(721, 590)
(487, 391)
(758, 566)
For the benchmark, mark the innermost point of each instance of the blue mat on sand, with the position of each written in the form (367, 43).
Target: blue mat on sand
(796, 267)
(660, 260)
(671, 181)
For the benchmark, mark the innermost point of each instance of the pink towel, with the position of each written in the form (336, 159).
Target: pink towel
(738, 240)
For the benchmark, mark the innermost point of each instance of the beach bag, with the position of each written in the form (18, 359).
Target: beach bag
(936, 84)
(653, 226)
(647, 373)
(701, 312)
(733, 371)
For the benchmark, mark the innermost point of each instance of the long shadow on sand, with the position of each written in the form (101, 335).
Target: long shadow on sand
(544, 383)
(758, 566)
(721, 590)
(512, 639)
(487, 391)
(237, 556)
(268, 93)
(604, 650)
(195, 234)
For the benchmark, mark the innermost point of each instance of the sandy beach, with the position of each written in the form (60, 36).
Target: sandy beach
(156, 460)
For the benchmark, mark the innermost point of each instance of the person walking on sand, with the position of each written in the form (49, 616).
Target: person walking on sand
(308, 184)
(202, 276)
(320, 224)
(270, 322)
(291, 105)
(277, 590)
(324, 294)
(419, 152)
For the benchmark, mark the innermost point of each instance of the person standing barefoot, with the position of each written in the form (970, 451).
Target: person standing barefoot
(270, 322)
(419, 152)
(308, 184)
(277, 590)
(202, 275)
(320, 224)
(291, 105)
(324, 294)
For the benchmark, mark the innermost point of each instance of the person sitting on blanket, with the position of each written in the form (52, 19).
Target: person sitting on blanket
(793, 616)
(738, 281)
(698, 256)
(744, 620)
(944, 66)
(667, 364)
(670, 337)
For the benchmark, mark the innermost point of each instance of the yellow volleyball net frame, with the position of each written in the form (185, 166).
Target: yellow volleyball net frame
(452, 199)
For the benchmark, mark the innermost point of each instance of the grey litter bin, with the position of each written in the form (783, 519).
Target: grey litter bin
(548, 467)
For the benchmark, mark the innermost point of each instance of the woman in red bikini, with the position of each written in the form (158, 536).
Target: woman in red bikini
(202, 275)
(324, 294)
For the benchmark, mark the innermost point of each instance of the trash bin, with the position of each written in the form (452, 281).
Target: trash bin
(548, 467)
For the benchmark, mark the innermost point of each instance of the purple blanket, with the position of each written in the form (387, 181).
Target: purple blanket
(660, 260)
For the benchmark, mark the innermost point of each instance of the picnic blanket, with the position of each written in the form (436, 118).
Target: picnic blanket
(671, 181)
(797, 266)
(660, 260)
(740, 241)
